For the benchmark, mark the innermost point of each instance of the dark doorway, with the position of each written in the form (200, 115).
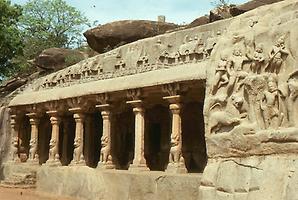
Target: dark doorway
(24, 135)
(123, 138)
(66, 139)
(157, 134)
(44, 137)
(193, 137)
(92, 138)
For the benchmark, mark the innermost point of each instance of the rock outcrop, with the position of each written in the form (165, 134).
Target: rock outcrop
(58, 58)
(112, 35)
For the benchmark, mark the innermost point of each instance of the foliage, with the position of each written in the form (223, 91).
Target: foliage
(50, 23)
(10, 40)
(220, 3)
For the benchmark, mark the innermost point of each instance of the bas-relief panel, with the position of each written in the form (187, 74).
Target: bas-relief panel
(253, 82)
(161, 52)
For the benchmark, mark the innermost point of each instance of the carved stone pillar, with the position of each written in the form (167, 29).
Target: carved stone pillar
(34, 122)
(78, 157)
(139, 162)
(54, 158)
(176, 160)
(14, 123)
(106, 160)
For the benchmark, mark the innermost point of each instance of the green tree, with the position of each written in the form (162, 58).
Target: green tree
(10, 40)
(50, 23)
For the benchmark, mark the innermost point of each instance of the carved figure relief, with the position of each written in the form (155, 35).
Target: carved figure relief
(14, 149)
(105, 150)
(175, 150)
(53, 152)
(256, 87)
(78, 151)
(33, 149)
(270, 105)
(277, 55)
(257, 60)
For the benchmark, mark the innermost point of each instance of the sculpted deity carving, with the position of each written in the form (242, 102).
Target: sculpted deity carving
(270, 105)
(257, 59)
(33, 149)
(222, 73)
(277, 55)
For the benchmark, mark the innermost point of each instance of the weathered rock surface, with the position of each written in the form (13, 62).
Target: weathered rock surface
(58, 58)
(111, 35)
(261, 178)
(87, 183)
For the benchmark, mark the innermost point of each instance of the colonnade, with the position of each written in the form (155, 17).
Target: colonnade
(176, 161)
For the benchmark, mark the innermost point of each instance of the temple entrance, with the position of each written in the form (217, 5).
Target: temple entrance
(24, 135)
(194, 146)
(157, 133)
(92, 138)
(123, 138)
(44, 137)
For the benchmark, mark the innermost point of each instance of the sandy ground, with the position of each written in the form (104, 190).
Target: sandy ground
(25, 194)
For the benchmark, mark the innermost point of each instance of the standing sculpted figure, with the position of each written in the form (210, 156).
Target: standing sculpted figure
(270, 104)
(257, 59)
(277, 55)
(221, 73)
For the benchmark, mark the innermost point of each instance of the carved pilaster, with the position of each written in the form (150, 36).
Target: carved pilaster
(54, 158)
(78, 157)
(176, 160)
(14, 123)
(106, 160)
(139, 162)
(33, 152)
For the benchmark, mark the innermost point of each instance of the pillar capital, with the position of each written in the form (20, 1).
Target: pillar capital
(54, 116)
(105, 110)
(175, 99)
(33, 118)
(136, 103)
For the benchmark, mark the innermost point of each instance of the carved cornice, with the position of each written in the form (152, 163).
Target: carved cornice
(134, 94)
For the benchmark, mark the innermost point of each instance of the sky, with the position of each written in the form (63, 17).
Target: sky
(176, 11)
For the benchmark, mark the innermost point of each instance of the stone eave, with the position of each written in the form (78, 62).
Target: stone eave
(187, 72)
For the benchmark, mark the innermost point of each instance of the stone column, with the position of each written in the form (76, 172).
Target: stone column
(34, 122)
(176, 160)
(139, 162)
(54, 158)
(106, 160)
(78, 157)
(15, 138)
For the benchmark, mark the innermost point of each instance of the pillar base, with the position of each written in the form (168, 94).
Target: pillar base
(53, 163)
(138, 167)
(78, 163)
(107, 165)
(177, 168)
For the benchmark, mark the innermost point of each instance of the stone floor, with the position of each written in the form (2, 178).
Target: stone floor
(26, 194)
